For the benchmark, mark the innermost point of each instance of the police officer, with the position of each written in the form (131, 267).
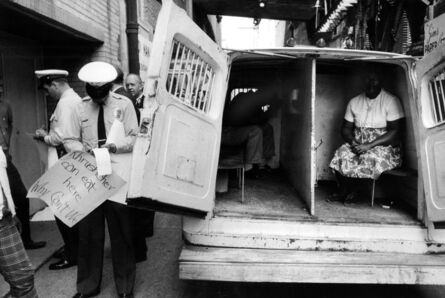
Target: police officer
(54, 83)
(92, 120)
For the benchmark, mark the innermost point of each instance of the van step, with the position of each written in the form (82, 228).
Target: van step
(274, 265)
(273, 234)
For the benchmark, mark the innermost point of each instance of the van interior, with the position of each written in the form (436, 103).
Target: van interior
(312, 95)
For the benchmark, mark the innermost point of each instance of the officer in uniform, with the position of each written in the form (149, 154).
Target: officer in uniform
(54, 83)
(91, 121)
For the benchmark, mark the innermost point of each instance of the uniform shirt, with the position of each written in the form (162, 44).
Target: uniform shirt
(374, 113)
(5, 124)
(83, 129)
(60, 120)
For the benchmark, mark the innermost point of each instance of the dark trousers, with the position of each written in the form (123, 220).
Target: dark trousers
(91, 248)
(70, 238)
(143, 221)
(18, 192)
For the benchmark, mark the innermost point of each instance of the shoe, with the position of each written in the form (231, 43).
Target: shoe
(92, 294)
(126, 295)
(62, 264)
(336, 197)
(34, 244)
(350, 198)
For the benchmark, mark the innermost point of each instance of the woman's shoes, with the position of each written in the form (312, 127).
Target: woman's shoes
(336, 197)
(350, 198)
(346, 199)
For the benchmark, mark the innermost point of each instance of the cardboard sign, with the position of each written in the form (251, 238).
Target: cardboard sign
(72, 188)
(434, 33)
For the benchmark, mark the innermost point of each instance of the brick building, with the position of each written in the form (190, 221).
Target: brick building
(51, 34)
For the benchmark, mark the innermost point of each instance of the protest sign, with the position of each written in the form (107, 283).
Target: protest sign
(72, 188)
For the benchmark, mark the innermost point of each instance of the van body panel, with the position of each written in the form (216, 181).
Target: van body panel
(184, 95)
(431, 86)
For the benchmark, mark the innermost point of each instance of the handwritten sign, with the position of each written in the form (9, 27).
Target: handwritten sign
(434, 33)
(72, 188)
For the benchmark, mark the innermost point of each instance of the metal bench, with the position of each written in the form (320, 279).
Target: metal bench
(239, 172)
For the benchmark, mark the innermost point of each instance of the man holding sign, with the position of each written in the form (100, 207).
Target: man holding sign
(92, 123)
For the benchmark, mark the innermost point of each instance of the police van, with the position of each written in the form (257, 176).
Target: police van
(282, 228)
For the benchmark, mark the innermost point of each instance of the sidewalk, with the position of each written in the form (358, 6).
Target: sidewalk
(40, 231)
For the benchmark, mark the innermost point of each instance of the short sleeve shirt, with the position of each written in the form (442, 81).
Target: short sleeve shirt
(374, 113)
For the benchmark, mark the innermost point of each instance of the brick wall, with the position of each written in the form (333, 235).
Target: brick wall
(102, 21)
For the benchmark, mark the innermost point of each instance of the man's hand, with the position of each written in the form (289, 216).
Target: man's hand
(40, 134)
(110, 146)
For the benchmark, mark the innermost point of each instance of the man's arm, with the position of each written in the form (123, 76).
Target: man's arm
(71, 141)
(347, 131)
(131, 127)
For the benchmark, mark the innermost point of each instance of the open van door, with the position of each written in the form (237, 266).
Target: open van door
(430, 73)
(175, 157)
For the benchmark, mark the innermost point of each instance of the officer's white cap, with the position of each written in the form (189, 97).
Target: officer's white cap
(97, 73)
(46, 76)
(51, 73)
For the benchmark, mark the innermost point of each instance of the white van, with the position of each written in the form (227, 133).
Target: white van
(281, 228)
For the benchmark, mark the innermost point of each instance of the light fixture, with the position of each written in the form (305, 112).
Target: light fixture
(262, 3)
(256, 21)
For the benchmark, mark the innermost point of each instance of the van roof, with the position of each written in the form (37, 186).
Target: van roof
(311, 51)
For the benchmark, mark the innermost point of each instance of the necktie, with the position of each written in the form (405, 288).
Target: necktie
(101, 135)
(140, 102)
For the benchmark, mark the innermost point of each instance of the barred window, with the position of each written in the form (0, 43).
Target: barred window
(190, 78)
(437, 96)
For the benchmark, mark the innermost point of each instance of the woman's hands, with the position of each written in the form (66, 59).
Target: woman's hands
(360, 148)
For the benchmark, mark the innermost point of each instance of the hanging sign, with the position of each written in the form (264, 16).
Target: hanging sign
(434, 33)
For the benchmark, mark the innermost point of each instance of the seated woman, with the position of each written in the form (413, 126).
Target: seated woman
(371, 129)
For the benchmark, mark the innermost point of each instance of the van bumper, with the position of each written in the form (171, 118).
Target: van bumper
(297, 266)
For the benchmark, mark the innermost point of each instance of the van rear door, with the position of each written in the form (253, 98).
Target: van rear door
(175, 157)
(430, 72)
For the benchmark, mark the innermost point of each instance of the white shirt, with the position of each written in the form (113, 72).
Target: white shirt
(374, 113)
(60, 121)
(83, 134)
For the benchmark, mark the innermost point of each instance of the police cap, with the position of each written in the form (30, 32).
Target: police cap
(97, 73)
(46, 76)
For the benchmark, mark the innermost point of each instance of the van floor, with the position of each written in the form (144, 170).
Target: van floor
(273, 197)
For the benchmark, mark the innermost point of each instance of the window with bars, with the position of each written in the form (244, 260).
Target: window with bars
(437, 96)
(190, 78)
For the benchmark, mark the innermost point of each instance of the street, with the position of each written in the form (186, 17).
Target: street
(158, 277)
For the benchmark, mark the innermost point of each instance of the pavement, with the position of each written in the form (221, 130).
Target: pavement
(158, 276)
